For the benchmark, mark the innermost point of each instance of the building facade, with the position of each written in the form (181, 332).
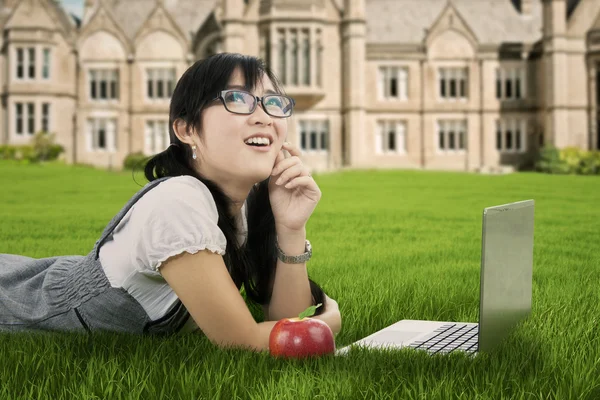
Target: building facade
(432, 84)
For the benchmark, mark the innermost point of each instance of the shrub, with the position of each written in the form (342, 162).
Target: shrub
(549, 161)
(41, 148)
(590, 163)
(570, 160)
(135, 160)
(7, 152)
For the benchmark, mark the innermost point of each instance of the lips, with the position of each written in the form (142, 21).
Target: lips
(264, 149)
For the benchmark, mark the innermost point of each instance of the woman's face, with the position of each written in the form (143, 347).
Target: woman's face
(224, 155)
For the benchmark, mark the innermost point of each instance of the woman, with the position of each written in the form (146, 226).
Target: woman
(220, 211)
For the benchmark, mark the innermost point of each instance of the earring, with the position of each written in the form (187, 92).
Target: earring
(194, 155)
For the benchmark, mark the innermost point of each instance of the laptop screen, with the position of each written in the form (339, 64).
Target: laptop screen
(506, 270)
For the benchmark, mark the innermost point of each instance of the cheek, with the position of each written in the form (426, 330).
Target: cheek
(281, 125)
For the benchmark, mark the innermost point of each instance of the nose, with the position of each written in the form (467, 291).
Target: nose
(260, 116)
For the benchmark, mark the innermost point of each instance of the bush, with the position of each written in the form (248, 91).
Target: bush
(135, 160)
(7, 152)
(42, 148)
(549, 161)
(590, 163)
(569, 160)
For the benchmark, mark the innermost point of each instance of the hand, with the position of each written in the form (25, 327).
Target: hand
(297, 195)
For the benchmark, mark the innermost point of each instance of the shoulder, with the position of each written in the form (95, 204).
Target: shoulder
(180, 192)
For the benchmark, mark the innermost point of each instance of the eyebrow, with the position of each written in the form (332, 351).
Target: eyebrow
(268, 91)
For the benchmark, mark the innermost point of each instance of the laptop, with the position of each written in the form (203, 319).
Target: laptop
(505, 292)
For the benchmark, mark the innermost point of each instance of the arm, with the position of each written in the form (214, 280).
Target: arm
(205, 288)
(331, 316)
(291, 290)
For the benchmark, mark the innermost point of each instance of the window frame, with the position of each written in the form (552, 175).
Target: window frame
(112, 85)
(388, 72)
(447, 126)
(513, 127)
(382, 135)
(152, 132)
(322, 130)
(457, 74)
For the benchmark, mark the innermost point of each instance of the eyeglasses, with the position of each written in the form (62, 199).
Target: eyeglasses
(241, 102)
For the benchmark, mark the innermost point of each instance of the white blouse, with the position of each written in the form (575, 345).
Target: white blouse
(177, 215)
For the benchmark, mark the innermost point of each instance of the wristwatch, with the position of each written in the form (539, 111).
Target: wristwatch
(299, 259)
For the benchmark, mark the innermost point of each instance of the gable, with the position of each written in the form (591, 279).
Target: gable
(159, 19)
(31, 14)
(159, 45)
(102, 45)
(451, 20)
(102, 20)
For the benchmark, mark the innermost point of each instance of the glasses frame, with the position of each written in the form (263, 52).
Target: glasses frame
(259, 100)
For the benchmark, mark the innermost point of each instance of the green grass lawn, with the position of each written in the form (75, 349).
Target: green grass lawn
(388, 245)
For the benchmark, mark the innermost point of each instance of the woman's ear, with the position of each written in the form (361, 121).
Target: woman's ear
(180, 128)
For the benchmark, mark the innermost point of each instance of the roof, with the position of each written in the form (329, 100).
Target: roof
(406, 21)
(188, 14)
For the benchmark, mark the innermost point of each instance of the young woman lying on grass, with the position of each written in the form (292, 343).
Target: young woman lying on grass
(219, 211)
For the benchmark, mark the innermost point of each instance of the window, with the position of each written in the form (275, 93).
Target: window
(46, 117)
(31, 118)
(25, 118)
(305, 57)
(160, 83)
(46, 64)
(452, 135)
(31, 62)
(25, 65)
(157, 136)
(314, 135)
(510, 135)
(295, 53)
(20, 64)
(453, 83)
(102, 134)
(104, 84)
(319, 57)
(19, 118)
(393, 83)
(510, 83)
(294, 56)
(391, 137)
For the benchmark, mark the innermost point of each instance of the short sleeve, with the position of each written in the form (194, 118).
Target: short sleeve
(179, 215)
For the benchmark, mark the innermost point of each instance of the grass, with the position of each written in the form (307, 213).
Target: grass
(388, 245)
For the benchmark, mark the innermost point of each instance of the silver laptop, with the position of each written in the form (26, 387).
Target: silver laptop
(505, 292)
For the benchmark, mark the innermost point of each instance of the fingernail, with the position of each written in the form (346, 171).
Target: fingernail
(278, 181)
(286, 143)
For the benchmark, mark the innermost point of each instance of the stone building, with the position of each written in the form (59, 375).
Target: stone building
(434, 84)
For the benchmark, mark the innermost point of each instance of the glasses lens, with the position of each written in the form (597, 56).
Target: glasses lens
(278, 106)
(239, 102)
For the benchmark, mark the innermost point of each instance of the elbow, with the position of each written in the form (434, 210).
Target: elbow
(338, 322)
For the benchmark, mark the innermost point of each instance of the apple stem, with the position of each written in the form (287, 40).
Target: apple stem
(309, 312)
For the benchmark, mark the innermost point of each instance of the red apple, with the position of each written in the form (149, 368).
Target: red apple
(301, 337)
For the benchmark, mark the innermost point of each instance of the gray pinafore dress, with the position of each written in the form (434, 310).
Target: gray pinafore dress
(72, 293)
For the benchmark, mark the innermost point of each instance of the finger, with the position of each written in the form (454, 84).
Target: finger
(280, 156)
(284, 164)
(293, 150)
(304, 181)
(292, 172)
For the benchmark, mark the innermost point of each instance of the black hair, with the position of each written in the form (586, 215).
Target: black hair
(252, 264)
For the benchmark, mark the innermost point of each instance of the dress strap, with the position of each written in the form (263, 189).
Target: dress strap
(117, 218)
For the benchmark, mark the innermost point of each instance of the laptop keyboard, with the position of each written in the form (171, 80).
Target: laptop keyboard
(450, 337)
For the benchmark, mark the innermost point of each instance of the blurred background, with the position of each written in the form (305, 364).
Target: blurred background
(467, 85)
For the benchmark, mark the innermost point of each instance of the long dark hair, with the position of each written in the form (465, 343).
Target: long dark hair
(252, 264)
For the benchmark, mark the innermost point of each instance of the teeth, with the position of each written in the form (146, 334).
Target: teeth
(264, 141)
